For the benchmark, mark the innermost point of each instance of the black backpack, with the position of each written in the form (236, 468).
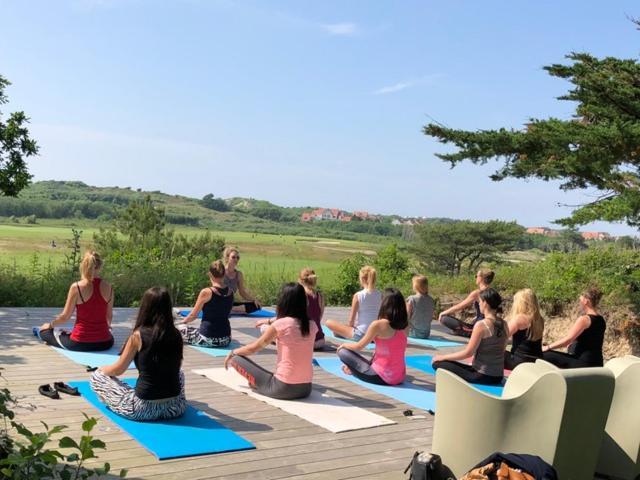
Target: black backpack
(428, 466)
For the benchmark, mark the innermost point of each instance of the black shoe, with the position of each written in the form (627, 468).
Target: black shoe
(47, 391)
(64, 388)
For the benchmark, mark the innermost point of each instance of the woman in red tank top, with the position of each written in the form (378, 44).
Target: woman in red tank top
(92, 298)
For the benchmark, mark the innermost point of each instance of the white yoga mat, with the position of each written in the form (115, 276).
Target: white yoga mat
(320, 409)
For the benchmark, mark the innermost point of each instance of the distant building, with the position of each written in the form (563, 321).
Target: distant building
(600, 236)
(325, 214)
(362, 215)
(538, 230)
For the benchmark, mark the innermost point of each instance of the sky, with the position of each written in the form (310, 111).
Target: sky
(302, 103)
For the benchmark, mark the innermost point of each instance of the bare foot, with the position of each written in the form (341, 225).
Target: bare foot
(346, 370)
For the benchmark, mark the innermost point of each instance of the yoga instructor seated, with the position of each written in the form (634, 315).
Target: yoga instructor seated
(295, 335)
(155, 345)
(234, 280)
(92, 298)
(387, 367)
(487, 345)
(483, 280)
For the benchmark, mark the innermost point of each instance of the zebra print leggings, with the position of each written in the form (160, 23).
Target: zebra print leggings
(192, 336)
(121, 398)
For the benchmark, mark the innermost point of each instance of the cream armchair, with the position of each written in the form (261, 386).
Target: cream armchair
(620, 453)
(556, 414)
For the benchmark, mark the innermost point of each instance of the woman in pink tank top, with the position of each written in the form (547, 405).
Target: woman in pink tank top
(295, 335)
(387, 367)
(92, 298)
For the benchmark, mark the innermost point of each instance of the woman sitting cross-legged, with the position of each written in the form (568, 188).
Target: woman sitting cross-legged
(295, 335)
(585, 338)
(486, 345)
(155, 345)
(216, 303)
(526, 326)
(387, 367)
(92, 299)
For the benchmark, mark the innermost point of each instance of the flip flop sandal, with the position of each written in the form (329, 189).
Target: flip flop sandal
(64, 388)
(47, 391)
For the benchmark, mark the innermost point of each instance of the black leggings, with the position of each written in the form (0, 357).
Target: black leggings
(249, 307)
(467, 372)
(65, 342)
(566, 360)
(457, 326)
(265, 383)
(511, 361)
(360, 367)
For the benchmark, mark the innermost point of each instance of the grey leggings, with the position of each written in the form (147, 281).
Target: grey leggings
(265, 383)
(360, 367)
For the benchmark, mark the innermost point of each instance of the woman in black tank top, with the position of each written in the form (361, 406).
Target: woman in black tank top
(584, 339)
(155, 345)
(526, 326)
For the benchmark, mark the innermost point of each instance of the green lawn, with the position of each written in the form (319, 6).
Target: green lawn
(259, 252)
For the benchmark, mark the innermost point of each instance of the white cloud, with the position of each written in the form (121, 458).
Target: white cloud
(394, 88)
(343, 29)
(413, 82)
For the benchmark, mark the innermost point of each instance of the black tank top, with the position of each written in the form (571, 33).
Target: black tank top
(159, 375)
(523, 347)
(215, 314)
(588, 345)
(479, 314)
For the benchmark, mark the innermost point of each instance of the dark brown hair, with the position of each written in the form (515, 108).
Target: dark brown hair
(394, 309)
(292, 302)
(155, 314)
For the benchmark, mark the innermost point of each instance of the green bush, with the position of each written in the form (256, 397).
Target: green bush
(25, 455)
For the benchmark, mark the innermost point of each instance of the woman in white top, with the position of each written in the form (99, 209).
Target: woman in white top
(364, 308)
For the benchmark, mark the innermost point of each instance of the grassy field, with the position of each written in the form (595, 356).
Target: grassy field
(261, 254)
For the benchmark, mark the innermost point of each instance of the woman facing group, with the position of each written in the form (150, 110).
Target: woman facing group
(155, 344)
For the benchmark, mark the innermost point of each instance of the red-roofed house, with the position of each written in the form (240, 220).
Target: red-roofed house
(596, 236)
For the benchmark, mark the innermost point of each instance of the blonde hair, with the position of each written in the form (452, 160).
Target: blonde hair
(89, 264)
(593, 294)
(486, 275)
(525, 302)
(367, 277)
(308, 278)
(421, 284)
(216, 269)
(227, 253)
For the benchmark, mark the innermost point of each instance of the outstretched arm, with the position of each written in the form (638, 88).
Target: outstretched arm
(476, 336)
(203, 297)
(67, 311)
(268, 336)
(126, 357)
(244, 293)
(467, 302)
(373, 331)
(578, 327)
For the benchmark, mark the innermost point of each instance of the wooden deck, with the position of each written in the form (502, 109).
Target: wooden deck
(286, 446)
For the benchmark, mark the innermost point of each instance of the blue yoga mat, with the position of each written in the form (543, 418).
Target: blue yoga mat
(93, 359)
(192, 434)
(425, 342)
(217, 352)
(434, 342)
(406, 392)
(262, 313)
(423, 363)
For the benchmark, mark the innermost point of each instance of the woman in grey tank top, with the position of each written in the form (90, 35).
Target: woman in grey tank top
(487, 346)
